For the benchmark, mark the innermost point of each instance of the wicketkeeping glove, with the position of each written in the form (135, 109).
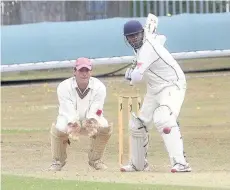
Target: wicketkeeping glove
(91, 126)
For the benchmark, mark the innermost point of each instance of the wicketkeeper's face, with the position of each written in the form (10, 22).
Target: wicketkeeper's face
(82, 75)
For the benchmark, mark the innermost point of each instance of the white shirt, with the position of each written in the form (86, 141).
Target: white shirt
(72, 107)
(160, 38)
(157, 66)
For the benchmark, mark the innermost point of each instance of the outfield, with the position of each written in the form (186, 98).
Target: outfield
(21, 183)
(28, 111)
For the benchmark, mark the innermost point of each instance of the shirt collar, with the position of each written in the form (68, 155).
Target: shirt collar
(90, 85)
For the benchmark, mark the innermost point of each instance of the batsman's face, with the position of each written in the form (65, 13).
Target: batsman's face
(82, 75)
(135, 40)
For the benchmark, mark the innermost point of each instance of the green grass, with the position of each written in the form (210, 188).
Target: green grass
(28, 112)
(10, 182)
(13, 131)
(56, 73)
(187, 65)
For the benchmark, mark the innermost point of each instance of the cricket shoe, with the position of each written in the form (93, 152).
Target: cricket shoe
(131, 168)
(56, 165)
(181, 168)
(98, 165)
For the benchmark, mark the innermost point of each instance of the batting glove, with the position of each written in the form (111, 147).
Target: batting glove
(134, 63)
(128, 73)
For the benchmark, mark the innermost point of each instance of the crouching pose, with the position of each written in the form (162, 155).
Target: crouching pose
(166, 86)
(81, 99)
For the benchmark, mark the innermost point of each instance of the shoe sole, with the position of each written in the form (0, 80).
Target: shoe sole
(104, 168)
(122, 170)
(145, 170)
(54, 170)
(176, 171)
(57, 169)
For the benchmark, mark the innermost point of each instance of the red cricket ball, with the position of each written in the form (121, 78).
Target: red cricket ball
(167, 130)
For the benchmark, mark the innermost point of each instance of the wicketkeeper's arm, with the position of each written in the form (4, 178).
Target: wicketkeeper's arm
(66, 105)
(96, 107)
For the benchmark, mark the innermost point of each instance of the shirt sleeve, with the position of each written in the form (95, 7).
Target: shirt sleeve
(161, 39)
(66, 105)
(145, 58)
(97, 105)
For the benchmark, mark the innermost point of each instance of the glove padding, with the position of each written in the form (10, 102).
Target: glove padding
(91, 126)
(74, 130)
(130, 70)
(134, 63)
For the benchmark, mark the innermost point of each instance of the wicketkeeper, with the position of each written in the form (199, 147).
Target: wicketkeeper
(81, 99)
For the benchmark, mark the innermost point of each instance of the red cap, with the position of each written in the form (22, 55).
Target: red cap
(83, 62)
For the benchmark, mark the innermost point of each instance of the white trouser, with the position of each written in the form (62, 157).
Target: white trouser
(162, 110)
(172, 97)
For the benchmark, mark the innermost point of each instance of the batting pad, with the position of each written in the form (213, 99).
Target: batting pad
(163, 117)
(98, 143)
(138, 142)
(59, 141)
(174, 145)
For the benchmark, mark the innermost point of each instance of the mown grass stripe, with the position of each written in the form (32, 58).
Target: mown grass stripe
(13, 182)
(21, 130)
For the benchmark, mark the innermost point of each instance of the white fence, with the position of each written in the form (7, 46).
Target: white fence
(165, 7)
(110, 60)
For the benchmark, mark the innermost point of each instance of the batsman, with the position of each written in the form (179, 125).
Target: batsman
(166, 87)
(81, 100)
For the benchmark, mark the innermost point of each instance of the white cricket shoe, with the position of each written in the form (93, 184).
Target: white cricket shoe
(131, 168)
(56, 166)
(181, 168)
(98, 165)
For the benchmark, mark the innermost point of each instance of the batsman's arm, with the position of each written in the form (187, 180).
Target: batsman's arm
(161, 39)
(147, 56)
(96, 107)
(66, 105)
